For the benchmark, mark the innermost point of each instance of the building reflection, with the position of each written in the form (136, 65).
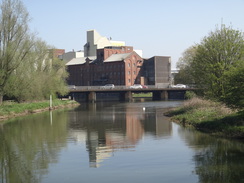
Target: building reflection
(114, 129)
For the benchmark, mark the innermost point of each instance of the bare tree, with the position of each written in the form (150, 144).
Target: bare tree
(15, 39)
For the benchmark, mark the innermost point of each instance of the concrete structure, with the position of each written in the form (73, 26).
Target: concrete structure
(66, 57)
(96, 41)
(157, 71)
(173, 73)
(117, 43)
(123, 93)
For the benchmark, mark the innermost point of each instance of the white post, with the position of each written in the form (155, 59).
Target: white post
(51, 117)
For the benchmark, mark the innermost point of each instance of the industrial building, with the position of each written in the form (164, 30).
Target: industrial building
(111, 62)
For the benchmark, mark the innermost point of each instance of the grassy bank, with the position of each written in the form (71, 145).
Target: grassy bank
(210, 117)
(142, 94)
(12, 109)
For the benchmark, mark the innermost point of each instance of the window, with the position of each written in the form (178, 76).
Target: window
(128, 64)
(129, 72)
(129, 80)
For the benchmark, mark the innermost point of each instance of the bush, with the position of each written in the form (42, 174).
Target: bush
(190, 95)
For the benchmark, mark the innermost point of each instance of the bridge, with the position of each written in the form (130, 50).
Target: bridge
(124, 93)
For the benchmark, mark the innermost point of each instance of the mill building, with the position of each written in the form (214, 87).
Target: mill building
(112, 62)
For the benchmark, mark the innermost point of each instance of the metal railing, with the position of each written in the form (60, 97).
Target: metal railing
(118, 87)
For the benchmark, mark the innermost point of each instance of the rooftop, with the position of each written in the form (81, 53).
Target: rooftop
(117, 57)
(81, 60)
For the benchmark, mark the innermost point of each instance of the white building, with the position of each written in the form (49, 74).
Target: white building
(96, 41)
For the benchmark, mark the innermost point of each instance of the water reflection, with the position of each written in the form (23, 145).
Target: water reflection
(112, 128)
(29, 145)
(216, 159)
(113, 140)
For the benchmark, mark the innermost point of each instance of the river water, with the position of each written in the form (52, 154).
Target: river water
(109, 142)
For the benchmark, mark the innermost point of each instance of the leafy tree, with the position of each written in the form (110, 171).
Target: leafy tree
(217, 66)
(215, 57)
(39, 76)
(15, 39)
(184, 65)
(27, 72)
(234, 86)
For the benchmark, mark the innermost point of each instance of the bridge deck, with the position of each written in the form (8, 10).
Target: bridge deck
(78, 89)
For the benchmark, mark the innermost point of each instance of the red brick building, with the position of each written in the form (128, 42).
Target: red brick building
(118, 66)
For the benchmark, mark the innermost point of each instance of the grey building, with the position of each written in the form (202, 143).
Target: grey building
(157, 71)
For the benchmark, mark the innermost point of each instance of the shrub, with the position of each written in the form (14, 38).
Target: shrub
(190, 95)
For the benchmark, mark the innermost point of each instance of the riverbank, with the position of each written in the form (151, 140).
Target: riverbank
(210, 117)
(13, 109)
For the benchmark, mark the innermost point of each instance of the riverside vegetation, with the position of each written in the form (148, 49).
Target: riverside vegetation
(211, 117)
(13, 109)
(216, 67)
(29, 69)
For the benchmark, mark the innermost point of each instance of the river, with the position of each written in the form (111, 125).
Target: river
(111, 142)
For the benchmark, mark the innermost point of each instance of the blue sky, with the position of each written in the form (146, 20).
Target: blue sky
(158, 27)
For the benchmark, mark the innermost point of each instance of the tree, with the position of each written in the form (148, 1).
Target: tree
(26, 70)
(217, 65)
(38, 76)
(184, 65)
(15, 40)
(215, 56)
(234, 86)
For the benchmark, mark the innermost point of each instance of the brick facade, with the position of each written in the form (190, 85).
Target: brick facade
(99, 72)
(126, 69)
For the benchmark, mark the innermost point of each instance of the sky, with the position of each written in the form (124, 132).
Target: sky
(157, 27)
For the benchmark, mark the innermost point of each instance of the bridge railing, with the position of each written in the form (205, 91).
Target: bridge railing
(116, 87)
(88, 88)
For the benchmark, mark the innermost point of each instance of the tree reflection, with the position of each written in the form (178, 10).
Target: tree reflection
(25, 149)
(217, 160)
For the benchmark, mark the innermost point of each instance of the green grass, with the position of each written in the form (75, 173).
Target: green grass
(11, 108)
(142, 94)
(210, 117)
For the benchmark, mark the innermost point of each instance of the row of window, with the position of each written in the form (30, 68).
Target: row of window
(110, 73)
(116, 73)
(134, 72)
(134, 64)
(115, 81)
(107, 66)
